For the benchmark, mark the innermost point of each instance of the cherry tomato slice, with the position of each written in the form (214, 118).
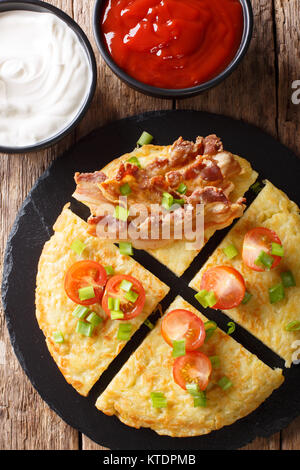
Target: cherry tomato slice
(227, 284)
(183, 324)
(257, 240)
(194, 367)
(112, 289)
(83, 274)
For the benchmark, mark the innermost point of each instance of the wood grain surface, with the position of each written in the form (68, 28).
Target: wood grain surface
(259, 92)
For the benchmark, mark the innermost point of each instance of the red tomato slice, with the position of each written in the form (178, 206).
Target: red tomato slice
(83, 274)
(257, 240)
(182, 324)
(194, 367)
(129, 309)
(227, 284)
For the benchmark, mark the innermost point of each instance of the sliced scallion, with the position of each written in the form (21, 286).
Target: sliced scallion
(200, 400)
(132, 296)
(167, 201)
(215, 361)
(158, 400)
(81, 312)
(116, 315)
(198, 395)
(210, 328)
(182, 188)
(225, 383)
(135, 161)
(125, 248)
(256, 187)
(231, 327)
(180, 202)
(145, 139)
(206, 299)
(293, 326)
(288, 279)
(85, 329)
(277, 250)
(230, 251)
(264, 260)
(178, 348)
(58, 337)
(247, 297)
(78, 246)
(121, 213)
(276, 293)
(94, 319)
(111, 303)
(126, 285)
(149, 324)
(109, 270)
(124, 331)
(86, 293)
(125, 189)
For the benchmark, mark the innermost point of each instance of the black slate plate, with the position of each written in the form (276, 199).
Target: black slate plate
(33, 227)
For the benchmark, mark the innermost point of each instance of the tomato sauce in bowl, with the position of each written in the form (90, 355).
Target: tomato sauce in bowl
(172, 44)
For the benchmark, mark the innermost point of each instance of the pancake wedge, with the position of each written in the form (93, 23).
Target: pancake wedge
(83, 359)
(174, 255)
(149, 370)
(274, 210)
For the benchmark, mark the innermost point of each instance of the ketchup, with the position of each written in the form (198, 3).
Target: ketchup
(173, 43)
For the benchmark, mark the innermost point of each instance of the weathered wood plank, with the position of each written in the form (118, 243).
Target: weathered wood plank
(288, 40)
(26, 421)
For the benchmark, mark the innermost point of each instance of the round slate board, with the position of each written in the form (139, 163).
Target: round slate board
(33, 227)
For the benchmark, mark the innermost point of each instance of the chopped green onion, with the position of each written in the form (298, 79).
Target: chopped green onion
(178, 348)
(124, 331)
(193, 389)
(85, 329)
(167, 201)
(135, 161)
(125, 189)
(199, 395)
(256, 187)
(182, 188)
(116, 315)
(58, 337)
(145, 139)
(215, 361)
(121, 213)
(264, 260)
(149, 324)
(277, 250)
(231, 328)
(94, 319)
(276, 293)
(158, 400)
(86, 293)
(116, 304)
(78, 246)
(230, 251)
(206, 299)
(225, 383)
(247, 297)
(111, 303)
(293, 326)
(288, 279)
(126, 248)
(109, 270)
(126, 285)
(180, 202)
(131, 296)
(210, 328)
(80, 312)
(200, 400)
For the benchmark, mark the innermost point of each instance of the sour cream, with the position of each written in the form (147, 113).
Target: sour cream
(45, 77)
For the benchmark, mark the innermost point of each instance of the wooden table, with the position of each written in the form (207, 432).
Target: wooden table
(259, 92)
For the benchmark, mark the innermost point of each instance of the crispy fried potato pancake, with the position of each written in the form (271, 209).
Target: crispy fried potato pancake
(175, 256)
(81, 359)
(149, 369)
(274, 210)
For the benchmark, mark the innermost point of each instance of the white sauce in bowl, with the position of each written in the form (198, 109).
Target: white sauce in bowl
(45, 77)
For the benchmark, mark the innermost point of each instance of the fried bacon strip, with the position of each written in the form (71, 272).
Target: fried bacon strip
(203, 165)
